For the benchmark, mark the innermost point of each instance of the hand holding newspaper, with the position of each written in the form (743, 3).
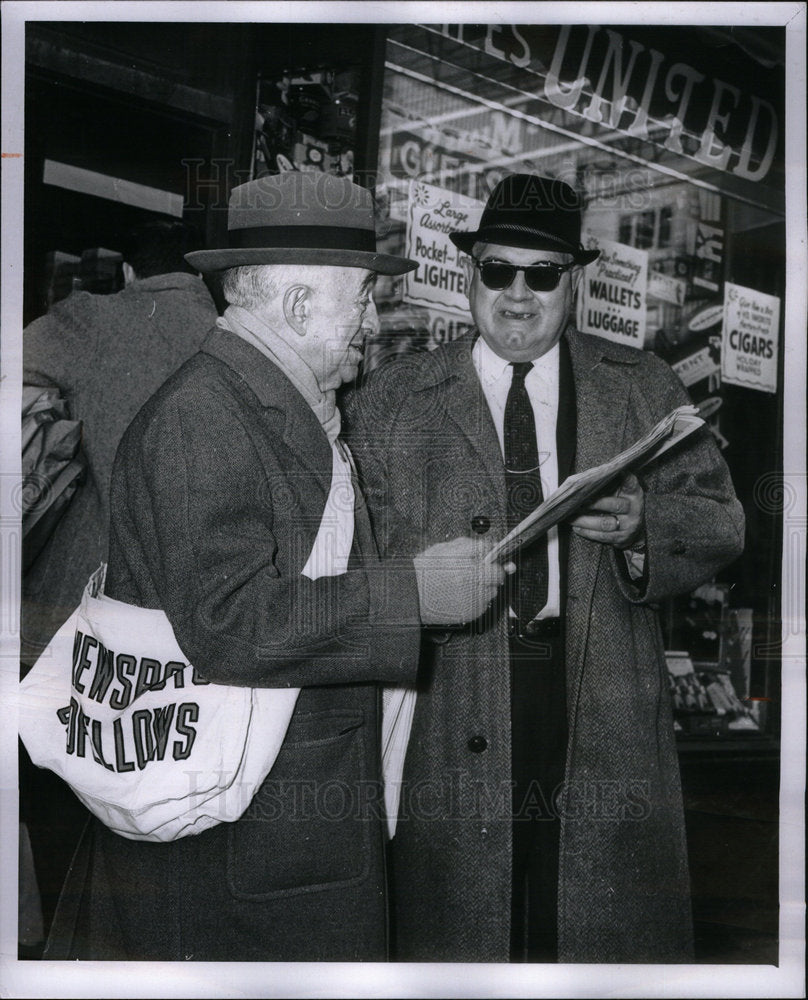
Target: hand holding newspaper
(399, 702)
(577, 489)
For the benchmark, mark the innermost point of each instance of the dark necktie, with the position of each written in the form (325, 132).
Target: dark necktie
(524, 494)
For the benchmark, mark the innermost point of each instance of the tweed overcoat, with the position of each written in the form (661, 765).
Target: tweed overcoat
(431, 462)
(108, 354)
(218, 491)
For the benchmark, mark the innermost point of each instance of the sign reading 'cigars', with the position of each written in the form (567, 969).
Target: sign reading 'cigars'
(750, 338)
(606, 78)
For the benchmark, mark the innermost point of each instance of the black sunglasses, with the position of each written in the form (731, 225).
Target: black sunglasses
(498, 274)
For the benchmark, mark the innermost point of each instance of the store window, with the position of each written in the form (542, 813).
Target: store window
(306, 120)
(673, 137)
(647, 230)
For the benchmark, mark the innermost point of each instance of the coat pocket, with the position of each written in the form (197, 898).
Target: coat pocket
(306, 828)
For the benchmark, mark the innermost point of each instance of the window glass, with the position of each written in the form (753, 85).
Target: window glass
(674, 145)
(673, 138)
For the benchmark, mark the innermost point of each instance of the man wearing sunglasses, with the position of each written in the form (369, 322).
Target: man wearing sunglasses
(540, 816)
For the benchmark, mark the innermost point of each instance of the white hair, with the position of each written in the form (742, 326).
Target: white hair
(253, 285)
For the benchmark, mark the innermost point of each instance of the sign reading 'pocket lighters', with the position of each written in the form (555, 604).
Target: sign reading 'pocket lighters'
(749, 345)
(611, 296)
(434, 213)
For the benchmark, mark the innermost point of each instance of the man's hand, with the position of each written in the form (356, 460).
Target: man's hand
(617, 519)
(454, 583)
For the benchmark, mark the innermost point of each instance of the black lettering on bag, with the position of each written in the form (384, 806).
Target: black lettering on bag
(160, 682)
(141, 730)
(187, 712)
(81, 734)
(124, 664)
(121, 763)
(96, 743)
(68, 716)
(76, 648)
(88, 643)
(163, 718)
(148, 676)
(104, 673)
(176, 669)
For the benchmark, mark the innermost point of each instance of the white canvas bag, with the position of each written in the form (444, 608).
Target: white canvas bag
(114, 708)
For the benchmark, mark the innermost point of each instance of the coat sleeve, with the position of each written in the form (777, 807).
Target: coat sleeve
(196, 507)
(694, 523)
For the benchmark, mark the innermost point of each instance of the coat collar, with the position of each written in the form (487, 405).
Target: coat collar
(587, 352)
(298, 425)
(602, 374)
(450, 371)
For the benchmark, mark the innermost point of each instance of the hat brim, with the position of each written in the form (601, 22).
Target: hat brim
(526, 241)
(207, 261)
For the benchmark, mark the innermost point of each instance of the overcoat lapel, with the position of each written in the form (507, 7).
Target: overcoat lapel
(566, 424)
(602, 390)
(364, 543)
(463, 402)
(295, 419)
(567, 419)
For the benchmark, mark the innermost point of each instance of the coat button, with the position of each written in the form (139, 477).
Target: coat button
(477, 744)
(480, 524)
(678, 548)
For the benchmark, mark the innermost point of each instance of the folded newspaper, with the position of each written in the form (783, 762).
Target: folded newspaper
(577, 489)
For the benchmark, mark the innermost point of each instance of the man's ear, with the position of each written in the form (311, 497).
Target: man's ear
(128, 274)
(576, 274)
(297, 308)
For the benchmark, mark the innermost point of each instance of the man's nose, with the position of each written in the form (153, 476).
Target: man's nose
(518, 287)
(370, 319)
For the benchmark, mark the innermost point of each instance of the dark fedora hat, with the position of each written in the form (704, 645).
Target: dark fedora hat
(533, 213)
(300, 217)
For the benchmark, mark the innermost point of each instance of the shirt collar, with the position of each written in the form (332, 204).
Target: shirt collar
(491, 367)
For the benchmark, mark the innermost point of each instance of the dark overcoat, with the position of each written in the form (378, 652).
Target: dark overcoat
(218, 490)
(429, 455)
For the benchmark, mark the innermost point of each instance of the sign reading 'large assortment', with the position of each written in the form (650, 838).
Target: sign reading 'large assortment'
(434, 213)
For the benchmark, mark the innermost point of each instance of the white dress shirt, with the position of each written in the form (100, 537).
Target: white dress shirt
(541, 382)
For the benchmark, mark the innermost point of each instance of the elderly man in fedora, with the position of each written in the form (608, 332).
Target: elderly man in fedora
(218, 517)
(553, 830)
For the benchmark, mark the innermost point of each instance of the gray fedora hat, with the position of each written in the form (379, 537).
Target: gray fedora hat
(300, 217)
(533, 213)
